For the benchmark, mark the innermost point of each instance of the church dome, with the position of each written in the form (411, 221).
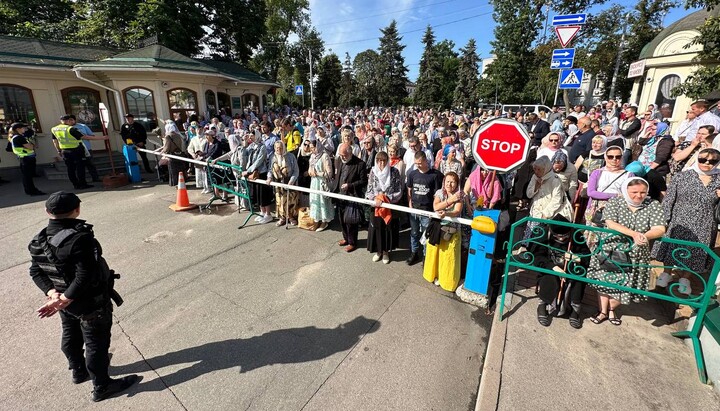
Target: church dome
(672, 40)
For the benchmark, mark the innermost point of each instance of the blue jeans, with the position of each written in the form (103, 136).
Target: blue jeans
(418, 225)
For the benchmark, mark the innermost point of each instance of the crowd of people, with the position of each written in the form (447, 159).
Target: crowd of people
(611, 165)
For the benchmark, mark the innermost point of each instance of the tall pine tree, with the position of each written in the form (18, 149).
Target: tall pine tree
(392, 83)
(346, 94)
(449, 63)
(327, 86)
(365, 67)
(428, 91)
(465, 95)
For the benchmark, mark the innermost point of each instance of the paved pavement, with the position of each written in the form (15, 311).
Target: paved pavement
(635, 366)
(219, 318)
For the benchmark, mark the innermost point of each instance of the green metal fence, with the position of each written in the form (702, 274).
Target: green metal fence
(223, 178)
(610, 247)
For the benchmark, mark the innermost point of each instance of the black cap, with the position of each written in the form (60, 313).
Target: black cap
(67, 117)
(129, 115)
(16, 126)
(62, 202)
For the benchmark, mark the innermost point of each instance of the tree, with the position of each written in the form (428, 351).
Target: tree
(366, 69)
(428, 91)
(346, 93)
(236, 28)
(45, 19)
(706, 78)
(449, 63)
(328, 83)
(543, 83)
(391, 85)
(465, 93)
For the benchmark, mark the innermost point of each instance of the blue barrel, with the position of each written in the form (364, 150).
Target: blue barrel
(480, 256)
(132, 169)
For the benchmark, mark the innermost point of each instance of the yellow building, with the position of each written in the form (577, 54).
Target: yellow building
(42, 80)
(666, 62)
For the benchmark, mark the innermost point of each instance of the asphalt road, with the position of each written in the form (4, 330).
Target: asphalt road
(219, 318)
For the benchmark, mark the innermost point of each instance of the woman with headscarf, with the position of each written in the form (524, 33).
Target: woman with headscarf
(257, 169)
(384, 186)
(687, 151)
(442, 254)
(624, 258)
(546, 195)
(303, 161)
(196, 147)
(657, 148)
(566, 172)
(595, 160)
(284, 169)
(173, 144)
(367, 152)
(605, 182)
(691, 220)
(551, 144)
(321, 174)
(396, 161)
(450, 163)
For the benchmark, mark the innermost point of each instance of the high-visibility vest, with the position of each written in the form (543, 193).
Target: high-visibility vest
(21, 151)
(64, 138)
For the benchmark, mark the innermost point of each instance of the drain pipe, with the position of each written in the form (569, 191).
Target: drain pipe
(118, 100)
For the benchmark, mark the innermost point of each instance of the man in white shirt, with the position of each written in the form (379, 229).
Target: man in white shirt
(704, 118)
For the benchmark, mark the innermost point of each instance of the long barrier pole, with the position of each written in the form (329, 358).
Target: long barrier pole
(221, 165)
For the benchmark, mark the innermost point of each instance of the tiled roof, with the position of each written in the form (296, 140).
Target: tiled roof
(154, 56)
(34, 52)
(236, 70)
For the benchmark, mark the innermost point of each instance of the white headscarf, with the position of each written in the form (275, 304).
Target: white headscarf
(696, 166)
(382, 176)
(628, 200)
(171, 127)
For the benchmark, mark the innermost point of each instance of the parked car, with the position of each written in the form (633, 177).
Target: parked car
(529, 108)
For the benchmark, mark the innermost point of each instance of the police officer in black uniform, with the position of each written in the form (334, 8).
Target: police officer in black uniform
(135, 132)
(67, 265)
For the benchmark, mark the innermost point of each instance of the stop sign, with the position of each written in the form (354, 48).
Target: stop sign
(501, 144)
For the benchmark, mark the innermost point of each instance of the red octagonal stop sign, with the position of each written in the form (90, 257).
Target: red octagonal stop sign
(501, 144)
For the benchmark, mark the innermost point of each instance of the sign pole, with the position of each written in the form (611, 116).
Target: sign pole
(557, 88)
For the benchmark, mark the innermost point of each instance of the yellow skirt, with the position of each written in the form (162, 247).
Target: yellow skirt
(442, 261)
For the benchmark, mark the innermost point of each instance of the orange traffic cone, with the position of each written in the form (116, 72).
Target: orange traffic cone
(182, 203)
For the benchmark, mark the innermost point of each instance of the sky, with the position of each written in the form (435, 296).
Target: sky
(354, 25)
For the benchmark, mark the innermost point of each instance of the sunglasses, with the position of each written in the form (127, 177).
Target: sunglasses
(617, 157)
(553, 140)
(711, 161)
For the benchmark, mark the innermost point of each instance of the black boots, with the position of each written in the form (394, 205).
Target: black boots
(415, 258)
(80, 375)
(115, 386)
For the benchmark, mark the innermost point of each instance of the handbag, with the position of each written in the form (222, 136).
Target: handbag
(615, 261)
(597, 216)
(352, 213)
(716, 212)
(304, 220)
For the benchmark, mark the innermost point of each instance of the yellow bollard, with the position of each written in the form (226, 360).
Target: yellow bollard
(484, 224)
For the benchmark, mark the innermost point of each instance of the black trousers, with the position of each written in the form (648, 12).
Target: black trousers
(91, 169)
(350, 231)
(144, 157)
(75, 165)
(92, 331)
(27, 167)
(550, 289)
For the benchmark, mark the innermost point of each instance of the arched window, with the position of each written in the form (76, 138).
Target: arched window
(139, 102)
(183, 104)
(211, 103)
(17, 104)
(224, 103)
(664, 94)
(84, 103)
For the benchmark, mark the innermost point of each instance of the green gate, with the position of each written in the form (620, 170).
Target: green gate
(609, 247)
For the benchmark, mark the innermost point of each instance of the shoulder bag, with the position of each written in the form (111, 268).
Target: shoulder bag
(597, 216)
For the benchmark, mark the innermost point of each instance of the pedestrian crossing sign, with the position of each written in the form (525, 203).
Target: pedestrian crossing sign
(571, 78)
(299, 90)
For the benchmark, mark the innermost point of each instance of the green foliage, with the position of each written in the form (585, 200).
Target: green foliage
(428, 88)
(45, 19)
(541, 86)
(236, 29)
(465, 93)
(328, 83)
(392, 83)
(448, 70)
(346, 93)
(706, 78)
(366, 69)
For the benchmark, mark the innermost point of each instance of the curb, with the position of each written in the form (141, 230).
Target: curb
(491, 375)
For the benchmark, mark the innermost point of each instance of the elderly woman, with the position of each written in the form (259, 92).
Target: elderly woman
(257, 170)
(604, 183)
(546, 195)
(551, 144)
(639, 219)
(217, 176)
(173, 144)
(384, 186)
(657, 148)
(321, 174)
(347, 137)
(566, 172)
(687, 151)
(450, 163)
(284, 169)
(691, 220)
(196, 149)
(442, 253)
(367, 152)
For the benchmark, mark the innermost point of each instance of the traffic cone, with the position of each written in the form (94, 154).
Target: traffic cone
(182, 203)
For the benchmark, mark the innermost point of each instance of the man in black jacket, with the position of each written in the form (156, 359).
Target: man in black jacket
(351, 181)
(539, 128)
(135, 132)
(582, 144)
(629, 129)
(67, 266)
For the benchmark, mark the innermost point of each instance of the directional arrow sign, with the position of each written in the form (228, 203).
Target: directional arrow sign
(563, 54)
(565, 19)
(561, 63)
(566, 34)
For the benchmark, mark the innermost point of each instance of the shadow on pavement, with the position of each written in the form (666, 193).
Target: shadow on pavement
(287, 346)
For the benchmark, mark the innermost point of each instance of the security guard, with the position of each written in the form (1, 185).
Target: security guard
(68, 143)
(67, 265)
(24, 149)
(136, 133)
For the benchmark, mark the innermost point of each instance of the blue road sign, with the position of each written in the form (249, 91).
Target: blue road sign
(571, 78)
(562, 58)
(565, 19)
(299, 90)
